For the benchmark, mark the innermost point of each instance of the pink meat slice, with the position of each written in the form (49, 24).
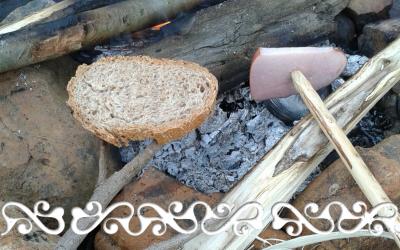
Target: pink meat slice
(271, 68)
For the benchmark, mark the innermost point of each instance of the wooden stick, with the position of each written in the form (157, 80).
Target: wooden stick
(102, 164)
(349, 155)
(277, 176)
(106, 191)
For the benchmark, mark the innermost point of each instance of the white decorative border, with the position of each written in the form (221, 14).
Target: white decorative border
(379, 217)
(223, 215)
(220, 219)
(24, 225)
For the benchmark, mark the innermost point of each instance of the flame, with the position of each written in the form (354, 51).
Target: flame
(159, 26)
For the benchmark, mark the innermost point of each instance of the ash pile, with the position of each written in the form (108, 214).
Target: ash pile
(239, 132)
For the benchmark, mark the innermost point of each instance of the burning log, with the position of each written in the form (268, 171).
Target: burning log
(296, 156)
(223, 38)
(55, 11)
(52, 39)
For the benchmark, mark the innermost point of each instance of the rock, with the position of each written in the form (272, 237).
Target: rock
(376, 36)
(345, 32)
(367, 11)
(156, 187)
(44, 153)
(336, 184)
(368, 6)
(269, 234)
(35, 240)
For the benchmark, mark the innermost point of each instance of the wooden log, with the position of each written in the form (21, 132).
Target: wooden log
(52, 39)
(7, 6)
(282, 170)
(223, 38)
(56, 11)
(349, 155)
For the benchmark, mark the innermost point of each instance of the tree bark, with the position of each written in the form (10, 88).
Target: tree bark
(224, 37)
(52, 39)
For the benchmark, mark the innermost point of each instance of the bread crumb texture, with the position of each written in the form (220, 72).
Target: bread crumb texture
(129, 98)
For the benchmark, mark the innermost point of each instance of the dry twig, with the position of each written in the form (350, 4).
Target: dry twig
(107, 190)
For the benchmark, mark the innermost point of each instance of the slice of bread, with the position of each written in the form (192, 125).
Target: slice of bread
(138, 97)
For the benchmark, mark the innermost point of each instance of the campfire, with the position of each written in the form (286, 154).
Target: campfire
(200, 124)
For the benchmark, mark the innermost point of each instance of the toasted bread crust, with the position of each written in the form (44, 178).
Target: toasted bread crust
(162, 133)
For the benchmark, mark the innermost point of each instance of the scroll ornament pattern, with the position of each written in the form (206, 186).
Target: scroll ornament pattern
(223, 216)
(382, 216)
(25, 226)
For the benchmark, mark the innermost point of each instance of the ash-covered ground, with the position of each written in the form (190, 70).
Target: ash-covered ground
(221, 151)
(217, 154)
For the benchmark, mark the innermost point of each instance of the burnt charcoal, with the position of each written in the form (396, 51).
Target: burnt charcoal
(85, 56)
(371, 129)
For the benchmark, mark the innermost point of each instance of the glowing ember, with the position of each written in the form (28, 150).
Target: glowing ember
(159, 26)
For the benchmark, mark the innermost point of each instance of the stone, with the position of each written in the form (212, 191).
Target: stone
(368, 6)
(336, 184)
(345, 32)
(44, 153)
(35, 240)
(363, 12)
(376, 36)
(156, 187)
(270, 235)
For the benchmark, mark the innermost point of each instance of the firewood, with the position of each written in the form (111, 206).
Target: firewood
(281, 172)
(349, 155)
(224, 37)
(56, 11)
(55, 38)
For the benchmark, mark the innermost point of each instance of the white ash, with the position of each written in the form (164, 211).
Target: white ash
(216, 155)
(354, 63)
